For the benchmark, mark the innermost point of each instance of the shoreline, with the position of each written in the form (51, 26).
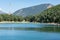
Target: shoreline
(28, 22)
(13, 22)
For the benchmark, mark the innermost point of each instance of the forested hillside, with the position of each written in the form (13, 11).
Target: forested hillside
(51, 15)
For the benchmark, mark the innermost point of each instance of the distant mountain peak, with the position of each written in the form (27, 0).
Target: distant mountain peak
(32, 10)
(1, 11)
(49, 6)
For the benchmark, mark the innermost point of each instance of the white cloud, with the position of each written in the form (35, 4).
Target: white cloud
(0, 8)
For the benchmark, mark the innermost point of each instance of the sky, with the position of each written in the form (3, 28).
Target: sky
(11, 6)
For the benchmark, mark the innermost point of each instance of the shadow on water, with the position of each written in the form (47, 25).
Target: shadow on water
(43, 29)
(31, 26)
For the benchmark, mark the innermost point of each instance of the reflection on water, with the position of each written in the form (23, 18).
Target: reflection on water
(44, 29)
(28, 35)
(29, 31)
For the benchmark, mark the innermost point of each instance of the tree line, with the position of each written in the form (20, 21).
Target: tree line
(51, 15)
(7, 17)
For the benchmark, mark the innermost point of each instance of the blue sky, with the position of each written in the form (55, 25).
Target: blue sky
(13, 5)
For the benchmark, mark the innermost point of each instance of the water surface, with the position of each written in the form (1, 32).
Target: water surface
(27, 34)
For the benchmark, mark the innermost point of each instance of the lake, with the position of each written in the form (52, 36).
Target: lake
(27, 34)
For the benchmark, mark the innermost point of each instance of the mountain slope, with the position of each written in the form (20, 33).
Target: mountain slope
(51, 15)
(1, 12)
(32, 10)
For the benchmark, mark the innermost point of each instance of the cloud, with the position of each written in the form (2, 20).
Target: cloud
(0, 8)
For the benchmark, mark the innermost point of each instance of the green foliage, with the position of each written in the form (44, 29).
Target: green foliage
(30, 18)
(51, 15)
(7, 17)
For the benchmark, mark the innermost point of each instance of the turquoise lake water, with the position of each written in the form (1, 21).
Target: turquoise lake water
(25, 25)
(27, 34)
